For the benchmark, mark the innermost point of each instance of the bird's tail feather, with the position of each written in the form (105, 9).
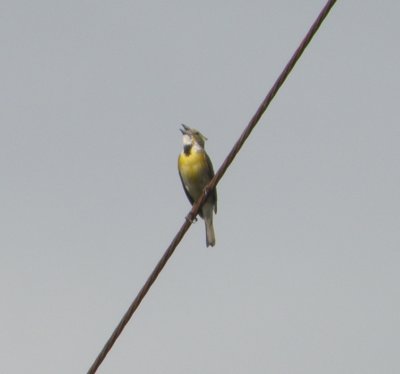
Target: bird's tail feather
(210, 235)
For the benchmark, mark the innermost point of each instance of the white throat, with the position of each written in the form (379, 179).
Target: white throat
(186, 139)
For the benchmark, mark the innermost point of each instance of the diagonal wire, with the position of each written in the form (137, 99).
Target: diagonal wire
(193, 212)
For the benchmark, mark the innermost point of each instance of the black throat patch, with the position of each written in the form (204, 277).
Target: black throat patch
(187, 148)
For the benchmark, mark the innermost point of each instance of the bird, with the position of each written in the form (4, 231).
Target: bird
(196, 171)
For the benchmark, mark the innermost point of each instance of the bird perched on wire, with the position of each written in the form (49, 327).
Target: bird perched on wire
(196, 171)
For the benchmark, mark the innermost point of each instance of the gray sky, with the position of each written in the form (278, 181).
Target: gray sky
(305, 274)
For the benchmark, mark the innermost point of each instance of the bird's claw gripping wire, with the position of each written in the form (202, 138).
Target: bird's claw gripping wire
(206, 191)
(191, 219)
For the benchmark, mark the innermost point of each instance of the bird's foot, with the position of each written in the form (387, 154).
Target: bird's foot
(191, 219)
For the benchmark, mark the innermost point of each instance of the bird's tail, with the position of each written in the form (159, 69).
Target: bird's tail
(210, 235)
(208, 219)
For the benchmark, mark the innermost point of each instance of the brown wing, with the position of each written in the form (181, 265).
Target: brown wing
(184, 188)
(213, 194)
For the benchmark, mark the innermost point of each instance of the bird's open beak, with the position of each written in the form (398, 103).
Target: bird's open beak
(185, 129)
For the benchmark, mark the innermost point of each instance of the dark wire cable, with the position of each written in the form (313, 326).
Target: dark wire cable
(221, 171)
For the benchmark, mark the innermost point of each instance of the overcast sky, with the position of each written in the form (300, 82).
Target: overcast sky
(304, 277)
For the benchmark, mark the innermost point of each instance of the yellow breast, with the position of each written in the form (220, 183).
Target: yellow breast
(194, 172)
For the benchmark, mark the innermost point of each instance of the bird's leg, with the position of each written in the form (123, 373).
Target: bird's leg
(191, 219)
(207, 190)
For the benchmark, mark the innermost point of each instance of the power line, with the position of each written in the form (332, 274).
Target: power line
(221, 171)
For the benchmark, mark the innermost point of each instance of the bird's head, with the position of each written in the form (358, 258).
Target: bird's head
(192, 136)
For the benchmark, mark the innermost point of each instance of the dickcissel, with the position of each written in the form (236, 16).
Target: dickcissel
(196, 171)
